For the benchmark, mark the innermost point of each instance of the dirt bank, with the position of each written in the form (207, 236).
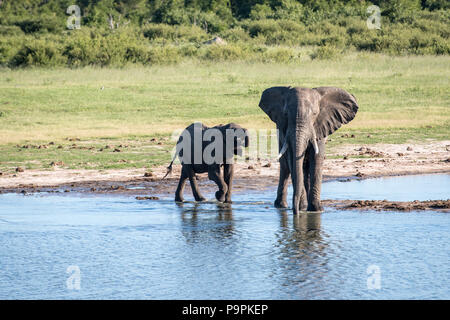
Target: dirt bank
(384, 205)
(346, 162)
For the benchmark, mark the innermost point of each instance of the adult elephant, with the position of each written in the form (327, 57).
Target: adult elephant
(304, 118)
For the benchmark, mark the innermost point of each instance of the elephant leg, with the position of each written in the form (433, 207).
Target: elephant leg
(228, 173)
(315, 180)
(214, 175)
(194, 186)
(281, 200)
(183, 177)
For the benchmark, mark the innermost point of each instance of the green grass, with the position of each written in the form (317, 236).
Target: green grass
(402, 99)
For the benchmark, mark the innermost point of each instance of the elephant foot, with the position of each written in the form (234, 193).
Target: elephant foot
(280, 204)
(200, 199)
(303, 206)
(179, 199)
(220, 196)
(228, 201)
(315, 206)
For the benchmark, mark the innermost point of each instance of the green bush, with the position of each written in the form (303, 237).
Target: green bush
(44, 23)
(280, 55)
(38, 53)
(163, 55)
(224, 52)
(174, 33)
(11, 31)
(326, 52)
(9, 46)
(236, 34)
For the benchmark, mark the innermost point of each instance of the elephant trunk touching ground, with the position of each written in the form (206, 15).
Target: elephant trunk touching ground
(304, 118)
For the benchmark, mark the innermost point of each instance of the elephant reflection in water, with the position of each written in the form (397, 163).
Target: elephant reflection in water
(304, 234)
(302, 249)
(197, 223)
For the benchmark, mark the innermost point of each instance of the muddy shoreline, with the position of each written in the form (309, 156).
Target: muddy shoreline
(347, 163)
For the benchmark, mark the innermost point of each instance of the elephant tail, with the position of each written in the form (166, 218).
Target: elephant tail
(169, 168)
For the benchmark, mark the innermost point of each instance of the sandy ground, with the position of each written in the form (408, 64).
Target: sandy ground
(374, 161)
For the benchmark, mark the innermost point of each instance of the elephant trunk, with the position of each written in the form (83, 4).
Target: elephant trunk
(300, 144)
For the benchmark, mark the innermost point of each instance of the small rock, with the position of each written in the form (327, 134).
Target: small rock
(51, 143)
(23, 192)
(60, 147)
(250, 167)
(345, 158)
(147, 198)
(409, 149)
(216, 40)
(19, 169)
(400, 154)
(268, 165)
(66, 190)
(153, 139)
(359, 174)
(159, 143)
(369, 136)
(56, 163)
(352, 136)
(107, 147)
(1, 173)
(148, 174)
(116, 150)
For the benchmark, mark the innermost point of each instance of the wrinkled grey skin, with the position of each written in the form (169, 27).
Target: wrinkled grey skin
(225, 181)
(304, 118)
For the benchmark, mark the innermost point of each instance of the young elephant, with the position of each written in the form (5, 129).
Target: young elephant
(202, 149)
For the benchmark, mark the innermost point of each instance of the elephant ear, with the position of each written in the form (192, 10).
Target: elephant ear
(337, 107)
(272, 103)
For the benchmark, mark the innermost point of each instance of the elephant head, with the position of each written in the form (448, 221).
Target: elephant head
(303, 117)
(239, 135)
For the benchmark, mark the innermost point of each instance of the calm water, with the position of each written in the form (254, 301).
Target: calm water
(131, 249)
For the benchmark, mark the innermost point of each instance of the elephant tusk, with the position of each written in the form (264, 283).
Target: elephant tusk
(316, 147)
(283, 149)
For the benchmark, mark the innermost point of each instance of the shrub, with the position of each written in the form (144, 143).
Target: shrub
(11, 31)
(261, 11)
(174, 33)
(9, 46)
(43, 23)
(236, 34)
(281, 55)
(38, 53)
(224, 52)
(261, 27)
(327, 52)
(163, 55)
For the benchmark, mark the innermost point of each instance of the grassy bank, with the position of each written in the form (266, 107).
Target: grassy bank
(82, 111)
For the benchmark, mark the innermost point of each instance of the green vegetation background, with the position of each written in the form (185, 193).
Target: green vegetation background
(118, 33)
(87, 116)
